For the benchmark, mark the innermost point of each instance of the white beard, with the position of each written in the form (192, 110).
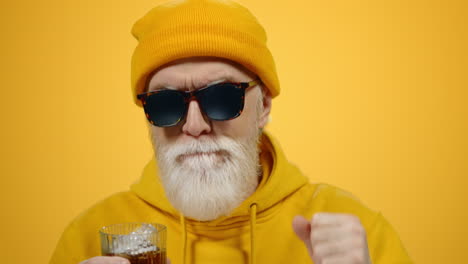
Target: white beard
(207, 186)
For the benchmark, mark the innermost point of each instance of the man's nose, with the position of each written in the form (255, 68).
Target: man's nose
(195, 123)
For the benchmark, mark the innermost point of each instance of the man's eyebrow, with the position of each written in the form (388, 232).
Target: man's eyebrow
(201, 84)
(162, 86)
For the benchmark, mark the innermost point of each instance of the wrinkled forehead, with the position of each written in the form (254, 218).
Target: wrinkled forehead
(197, 72)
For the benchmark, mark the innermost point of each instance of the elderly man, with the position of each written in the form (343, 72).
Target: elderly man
(205, 79)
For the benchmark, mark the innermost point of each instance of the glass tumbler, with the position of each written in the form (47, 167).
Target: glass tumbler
(141, 243)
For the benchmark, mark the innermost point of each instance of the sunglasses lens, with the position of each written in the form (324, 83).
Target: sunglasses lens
(222, 101)
(165, 108)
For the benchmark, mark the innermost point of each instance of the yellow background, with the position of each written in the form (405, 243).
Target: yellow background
(373, 101)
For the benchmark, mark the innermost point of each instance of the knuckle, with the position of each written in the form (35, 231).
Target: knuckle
(357, 230)
(358, 243)
(356, 219)
(357, 258)
(316, 220)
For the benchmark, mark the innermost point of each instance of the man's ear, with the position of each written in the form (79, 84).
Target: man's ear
(265, 114)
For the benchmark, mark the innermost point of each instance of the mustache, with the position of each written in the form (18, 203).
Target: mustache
(220, 153)
(196, 146)
(220, 146)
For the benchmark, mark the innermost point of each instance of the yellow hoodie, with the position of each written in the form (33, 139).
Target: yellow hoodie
(258, 231)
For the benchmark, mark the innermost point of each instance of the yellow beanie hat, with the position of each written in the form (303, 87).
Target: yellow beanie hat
(188, 28)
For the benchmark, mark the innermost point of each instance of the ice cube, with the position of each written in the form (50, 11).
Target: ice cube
(144, 229)
(136, 242)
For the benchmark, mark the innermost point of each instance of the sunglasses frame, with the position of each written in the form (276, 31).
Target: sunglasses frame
(191, 95)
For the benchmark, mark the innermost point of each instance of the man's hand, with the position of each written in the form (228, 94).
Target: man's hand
(106, 260)
(333, 238)
(109, 260)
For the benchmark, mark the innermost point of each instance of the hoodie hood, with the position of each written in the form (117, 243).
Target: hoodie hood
(272, 189)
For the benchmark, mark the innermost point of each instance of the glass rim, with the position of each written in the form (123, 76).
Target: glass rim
(159, 228)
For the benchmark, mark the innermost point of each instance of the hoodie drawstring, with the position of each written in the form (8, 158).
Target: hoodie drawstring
(184, 237)
(253, 219)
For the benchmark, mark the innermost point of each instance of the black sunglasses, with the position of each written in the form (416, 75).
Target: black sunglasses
(220, 102)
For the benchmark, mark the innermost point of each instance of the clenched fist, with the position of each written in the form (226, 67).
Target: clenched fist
(333, 238)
